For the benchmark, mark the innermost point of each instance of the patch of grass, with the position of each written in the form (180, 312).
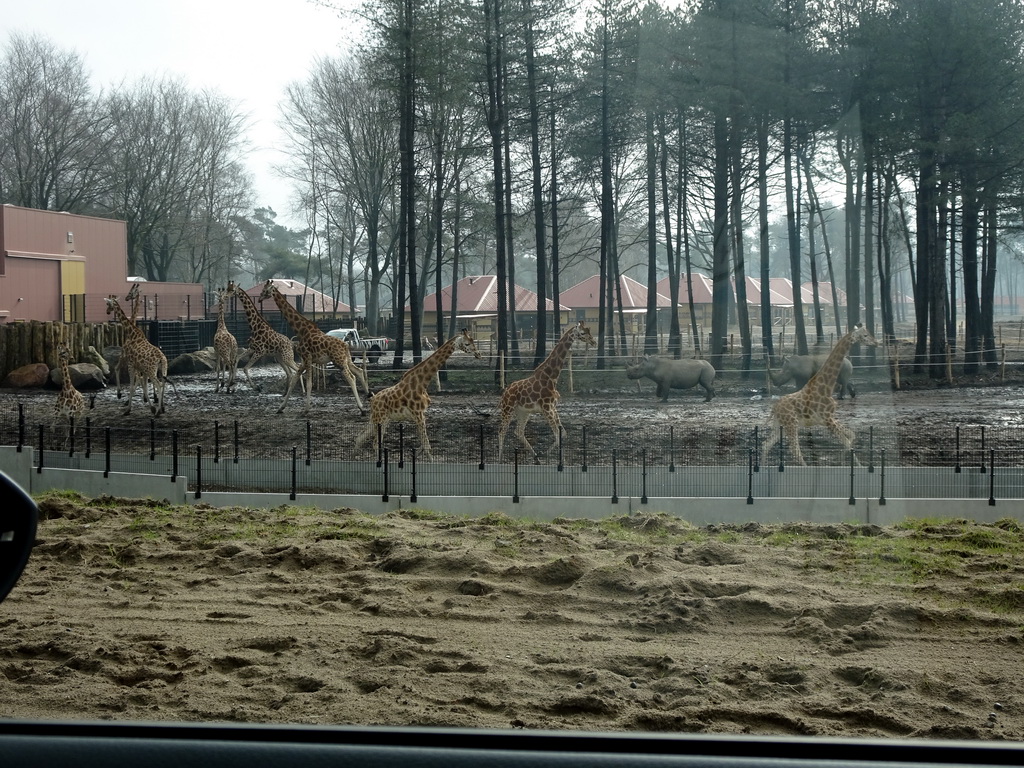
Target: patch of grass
(66, 495)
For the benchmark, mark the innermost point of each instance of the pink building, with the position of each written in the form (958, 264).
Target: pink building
(60, 266)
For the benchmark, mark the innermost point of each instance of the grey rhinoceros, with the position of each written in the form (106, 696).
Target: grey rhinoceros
(674, 374)
(800, 368)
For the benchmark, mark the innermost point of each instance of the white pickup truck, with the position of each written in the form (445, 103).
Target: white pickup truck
(360, 346)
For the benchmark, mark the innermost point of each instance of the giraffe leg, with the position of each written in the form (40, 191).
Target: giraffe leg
(421, 427)
(352, 383)
(130, 391)
(501, 435)
(288, 391)
(556, 425)
(845, 435)
(521, 434)
(793, 436)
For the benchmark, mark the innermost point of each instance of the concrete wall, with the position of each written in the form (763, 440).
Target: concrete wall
(88, 479)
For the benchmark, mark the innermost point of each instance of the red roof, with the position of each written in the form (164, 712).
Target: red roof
(313, 301)
(478, 295)
(701, 288)
(588, 294)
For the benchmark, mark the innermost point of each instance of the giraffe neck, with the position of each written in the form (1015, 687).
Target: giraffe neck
(825, 379)
(551, 368)
(295, 319)
(65, 375)
(130, 327)
(421, 373)
(256, 320)
(220, 316)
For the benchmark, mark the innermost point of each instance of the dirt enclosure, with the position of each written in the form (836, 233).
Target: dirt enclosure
(604, 411)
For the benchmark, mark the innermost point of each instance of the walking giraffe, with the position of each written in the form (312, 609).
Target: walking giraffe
(145, 361)
(225, 347)
(814, 406)
(315, 347)
(408, 399)
(538, 393)
(264, 340)
(70, 403)
(133, 298)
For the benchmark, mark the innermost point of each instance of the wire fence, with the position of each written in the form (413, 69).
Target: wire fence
(968, 462)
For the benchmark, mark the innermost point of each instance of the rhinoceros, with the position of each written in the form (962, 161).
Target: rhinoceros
(674, 374)
(800, 368)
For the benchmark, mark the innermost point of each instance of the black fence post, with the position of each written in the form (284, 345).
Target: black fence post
(615, 480)
(671, 449)
(871, 449)
(782, 449)
(381, 453)
(174, 455)
(21, 426)
(384, 461)
(481, 465)
(152, 439)
(71, 436)
(881, 497)
(401, 445)
(309, 442)
(216, 442)
(88, 437)
(957, 468)
(756, 462)
(584, 467)
(199, 471)
(236, 441)
(852, 459)
(42, 450)
(750, 475)
(294, 472)
(561, 465)
(992, 479)
(982, 469)
(106, 439)
(412, 494)
(515, 476)
(643, 476)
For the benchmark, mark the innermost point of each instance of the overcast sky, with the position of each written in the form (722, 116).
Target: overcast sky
(248, 51)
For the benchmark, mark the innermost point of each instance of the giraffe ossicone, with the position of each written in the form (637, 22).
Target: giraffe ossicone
(814, 405)
(538, 393)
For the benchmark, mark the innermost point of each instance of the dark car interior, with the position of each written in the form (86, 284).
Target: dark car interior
(110, 744)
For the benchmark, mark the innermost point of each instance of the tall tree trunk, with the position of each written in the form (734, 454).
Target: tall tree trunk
(970, 224)
(764, 244)
(607, 200)
(793, 235)
(651, 325)
(540, 244)
(671, 253)
(495, 125)
(720, 288)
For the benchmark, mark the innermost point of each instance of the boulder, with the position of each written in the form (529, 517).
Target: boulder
(202, 361)
(92, 356)
(84, 377)
(31, 375)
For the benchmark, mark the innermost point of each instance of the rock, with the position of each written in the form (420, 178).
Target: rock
(92, 356)
(202, 361)
(31, 375)
(84, 377)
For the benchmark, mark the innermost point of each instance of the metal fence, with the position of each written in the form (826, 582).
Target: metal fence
(970, 462)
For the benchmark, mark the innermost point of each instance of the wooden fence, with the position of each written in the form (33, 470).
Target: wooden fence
(33, 341)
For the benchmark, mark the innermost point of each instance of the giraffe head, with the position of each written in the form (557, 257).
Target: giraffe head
(465, 343)
(581, 333)
(133, 294)
(64, 352)
(113, 308)
(861, 335)
(268, 290)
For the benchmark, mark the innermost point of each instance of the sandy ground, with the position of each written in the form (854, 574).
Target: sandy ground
(131, 611)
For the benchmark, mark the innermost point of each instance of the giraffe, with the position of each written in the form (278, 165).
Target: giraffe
(146, 363)
(538, 393)
(315, 347)
(70, 403)
(264, 340)
(408, 399)
(225, 347)
(133, 298)
(814, 405)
